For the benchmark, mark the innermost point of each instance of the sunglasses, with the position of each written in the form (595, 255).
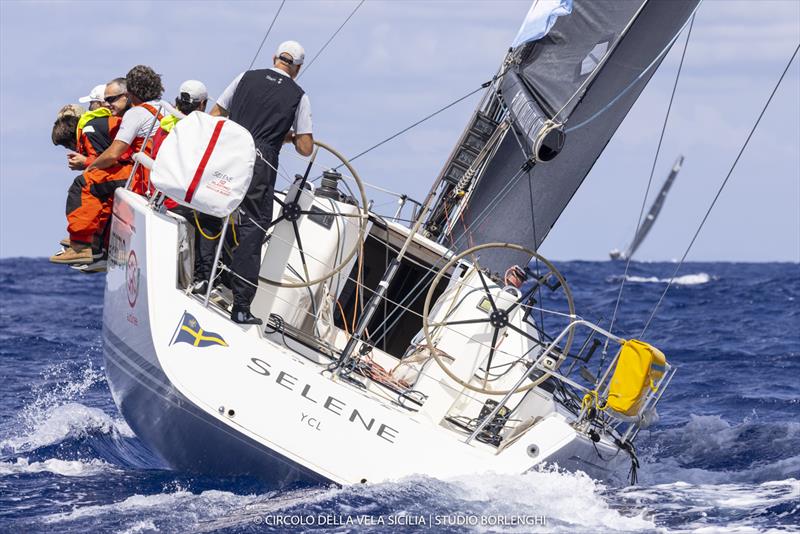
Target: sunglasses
(112, 99)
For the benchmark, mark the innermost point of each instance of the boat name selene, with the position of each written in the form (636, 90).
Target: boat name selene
(331, 403)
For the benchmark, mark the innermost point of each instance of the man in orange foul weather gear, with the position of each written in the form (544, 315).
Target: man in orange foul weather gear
(138, 105)
(88, 206)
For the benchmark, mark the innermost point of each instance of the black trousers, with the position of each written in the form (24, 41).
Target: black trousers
(254, 211)
(204, 249)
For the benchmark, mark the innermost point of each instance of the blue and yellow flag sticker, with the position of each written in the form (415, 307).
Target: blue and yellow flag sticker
(189, 331)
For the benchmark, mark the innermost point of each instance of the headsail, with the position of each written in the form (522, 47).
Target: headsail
(650, 219)
(584, 74)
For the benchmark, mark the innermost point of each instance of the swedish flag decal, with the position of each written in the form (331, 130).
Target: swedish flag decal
(189, 331)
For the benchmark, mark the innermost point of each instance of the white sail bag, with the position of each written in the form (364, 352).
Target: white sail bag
(205, 163)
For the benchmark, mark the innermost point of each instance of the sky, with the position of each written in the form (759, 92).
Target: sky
(395, 62)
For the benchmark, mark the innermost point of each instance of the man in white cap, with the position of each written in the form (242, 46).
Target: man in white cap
(96, 97)
(192, 96)
(275, 110)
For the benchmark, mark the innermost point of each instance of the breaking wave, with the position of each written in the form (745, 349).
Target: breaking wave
(684, 280)
(71, 421)
(67, 468)
(558, 501)
(709, 450)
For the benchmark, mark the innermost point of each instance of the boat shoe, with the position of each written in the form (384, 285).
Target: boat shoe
(74, 255)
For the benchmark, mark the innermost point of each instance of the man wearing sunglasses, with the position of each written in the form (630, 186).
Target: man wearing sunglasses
(275, 110)
(138, 104)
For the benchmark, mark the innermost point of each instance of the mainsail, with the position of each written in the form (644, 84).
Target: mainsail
(563, 95)
(650, 219)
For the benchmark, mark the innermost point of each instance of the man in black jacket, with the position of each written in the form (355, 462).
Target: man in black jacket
(275, 110)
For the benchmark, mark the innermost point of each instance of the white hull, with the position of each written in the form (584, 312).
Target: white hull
(257, 407)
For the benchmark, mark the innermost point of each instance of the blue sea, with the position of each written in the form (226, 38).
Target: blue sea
(725, 456)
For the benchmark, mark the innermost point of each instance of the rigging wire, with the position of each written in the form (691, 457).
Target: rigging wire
(719, 191)
(636, 80)
(305, 69)
(650, 180)
(345, 175)
(407, 128)
(264, 40)
(535, 241)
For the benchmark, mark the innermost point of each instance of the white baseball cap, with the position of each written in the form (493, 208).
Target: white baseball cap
(294, 49)
(97, 94)
(195, 90)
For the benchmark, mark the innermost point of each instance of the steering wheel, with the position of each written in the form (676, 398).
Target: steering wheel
(497, 318)
(291, 211)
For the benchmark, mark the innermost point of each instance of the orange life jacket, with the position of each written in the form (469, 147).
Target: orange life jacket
(102, 128)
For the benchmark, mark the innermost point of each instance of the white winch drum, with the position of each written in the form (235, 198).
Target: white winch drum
(205, 163)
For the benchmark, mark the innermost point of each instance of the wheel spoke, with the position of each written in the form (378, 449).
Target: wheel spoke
(520, 300)
(276, 221)
(465, 321)
(300, 249)
(523, 333)
(486, 288)
(304, 179)
(491, 356)
(280, 202)
(338, 214)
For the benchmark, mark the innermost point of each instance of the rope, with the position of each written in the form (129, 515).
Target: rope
(264, 40)
(200, 229)
(214, 238)
(719, 191)
(330, 39)
(649, 183)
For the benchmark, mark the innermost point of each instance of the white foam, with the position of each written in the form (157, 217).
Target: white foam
(140, 526)
(709, 502)
(685, 280)
(67, 468)
(181, 510)
(66, 421)
(708, 436)
(567, 501)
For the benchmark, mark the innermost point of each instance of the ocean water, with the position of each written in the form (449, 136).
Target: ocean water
(725, 456)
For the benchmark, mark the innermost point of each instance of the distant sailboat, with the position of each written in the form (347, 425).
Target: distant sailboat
(650, 220)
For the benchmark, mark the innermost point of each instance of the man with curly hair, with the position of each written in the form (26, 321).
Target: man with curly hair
(275, 110)
(142, 95)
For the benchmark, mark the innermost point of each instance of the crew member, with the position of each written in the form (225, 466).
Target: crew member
(275, 110)
(96, 97)
(192, 96)
(140, 103)
(86, 134)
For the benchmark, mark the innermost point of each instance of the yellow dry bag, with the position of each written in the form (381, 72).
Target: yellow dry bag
(639, 367)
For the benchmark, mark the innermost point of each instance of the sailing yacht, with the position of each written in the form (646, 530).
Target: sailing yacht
(447, 346)
(652, 214)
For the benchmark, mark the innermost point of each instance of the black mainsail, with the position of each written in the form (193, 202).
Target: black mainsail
(563, 97)
(650, 219)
